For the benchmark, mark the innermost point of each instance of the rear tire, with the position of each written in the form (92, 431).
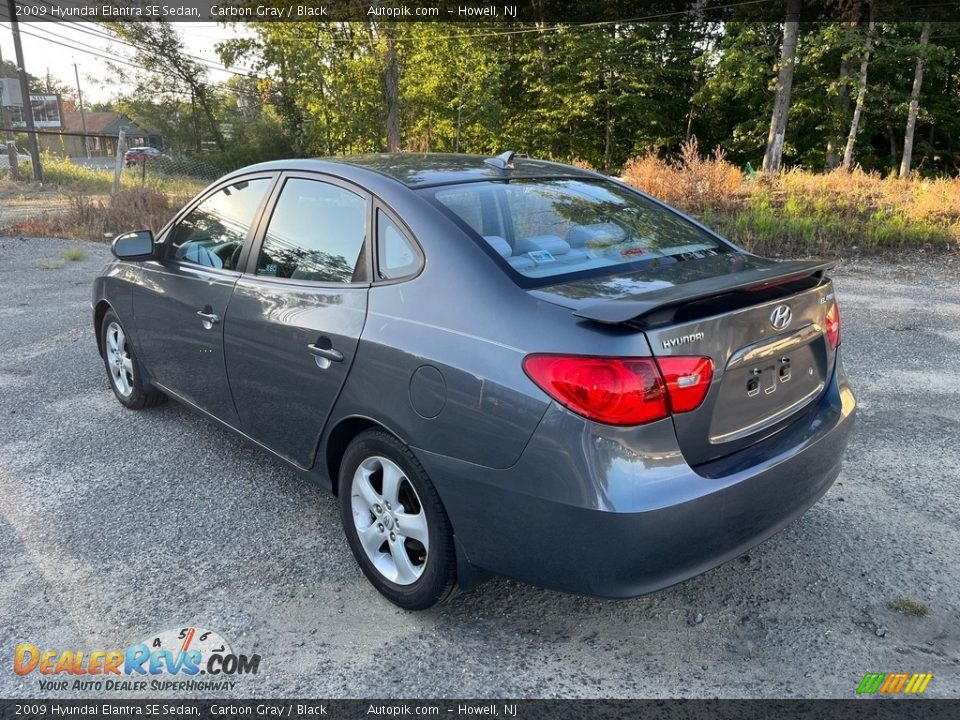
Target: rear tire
(395, 523)
(123, 368)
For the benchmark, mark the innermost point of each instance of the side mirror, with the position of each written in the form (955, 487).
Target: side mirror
(136, 245)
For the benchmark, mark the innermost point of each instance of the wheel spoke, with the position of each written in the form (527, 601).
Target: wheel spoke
(392, 478)
(406, 571)
(371, 539)
(413, 526)
(121, 340)
(364, 490)
(128, 365)
(112, 341)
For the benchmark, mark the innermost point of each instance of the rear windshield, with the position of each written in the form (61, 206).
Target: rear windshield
(549, 229)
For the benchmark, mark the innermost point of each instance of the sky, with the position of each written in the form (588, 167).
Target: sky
(45, 47)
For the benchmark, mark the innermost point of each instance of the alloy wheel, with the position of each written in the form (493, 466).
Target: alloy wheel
(119, 361)
(390, 521)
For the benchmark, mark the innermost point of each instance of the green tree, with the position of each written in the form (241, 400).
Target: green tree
(168, 70)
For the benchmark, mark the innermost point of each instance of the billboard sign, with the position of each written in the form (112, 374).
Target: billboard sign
(46, 108)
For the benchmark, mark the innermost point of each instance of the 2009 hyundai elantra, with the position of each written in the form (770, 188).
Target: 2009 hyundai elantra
(500, 366)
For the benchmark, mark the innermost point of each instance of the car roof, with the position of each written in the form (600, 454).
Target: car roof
(416, 170)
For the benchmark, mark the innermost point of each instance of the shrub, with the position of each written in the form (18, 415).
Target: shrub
(91, 218)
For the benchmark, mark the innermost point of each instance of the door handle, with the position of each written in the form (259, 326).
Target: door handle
(331, 354)
(209, 319)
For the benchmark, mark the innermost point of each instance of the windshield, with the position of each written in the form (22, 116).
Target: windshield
(547, 229)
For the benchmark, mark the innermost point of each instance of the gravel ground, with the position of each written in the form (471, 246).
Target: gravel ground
(115, 524)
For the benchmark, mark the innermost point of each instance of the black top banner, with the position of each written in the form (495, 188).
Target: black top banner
(508, 11)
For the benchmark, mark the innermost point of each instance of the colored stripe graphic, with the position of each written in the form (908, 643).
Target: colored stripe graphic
(901, 681)
(870, 683)
(923, 686)
(894, 683)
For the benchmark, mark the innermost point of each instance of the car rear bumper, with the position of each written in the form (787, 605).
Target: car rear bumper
(592, 510)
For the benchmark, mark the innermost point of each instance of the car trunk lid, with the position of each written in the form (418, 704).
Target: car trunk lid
(762, 324)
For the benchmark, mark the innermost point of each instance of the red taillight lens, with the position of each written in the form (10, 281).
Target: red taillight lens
(832, 325)
(687, 380)
(622, 391)
(614, 391)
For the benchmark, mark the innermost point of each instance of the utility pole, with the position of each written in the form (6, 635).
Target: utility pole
(25, 92)
(11, 142)
(83, 115)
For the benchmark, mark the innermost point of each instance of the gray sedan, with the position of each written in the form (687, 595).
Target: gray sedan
(499, 365)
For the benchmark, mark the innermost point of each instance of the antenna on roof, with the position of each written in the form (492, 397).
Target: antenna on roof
(503, 161)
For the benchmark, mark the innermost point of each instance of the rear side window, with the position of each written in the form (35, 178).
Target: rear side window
(551, 229)
(212, 234)
(396, 254)
(316, 232)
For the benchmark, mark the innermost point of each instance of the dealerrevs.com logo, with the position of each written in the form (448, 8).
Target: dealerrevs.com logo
(183, 659)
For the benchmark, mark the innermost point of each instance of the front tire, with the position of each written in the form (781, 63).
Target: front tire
(395, 523)
(123, 369)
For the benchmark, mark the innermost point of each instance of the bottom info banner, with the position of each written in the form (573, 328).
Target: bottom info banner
(522, 709)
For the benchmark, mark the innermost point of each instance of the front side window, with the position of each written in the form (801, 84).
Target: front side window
(548, 229)
(317, 233)
(212, 235)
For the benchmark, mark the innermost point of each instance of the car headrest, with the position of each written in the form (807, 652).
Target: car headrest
(553, 244)
(499, 244)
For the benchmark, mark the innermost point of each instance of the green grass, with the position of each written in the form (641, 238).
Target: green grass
(50, 265)
(909, 606)
(785, 230)
(803, 213)
(65, 175)
(75, 254)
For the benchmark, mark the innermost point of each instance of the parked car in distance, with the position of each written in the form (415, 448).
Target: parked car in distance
(22, 157)
(501, 366)
(140, 154)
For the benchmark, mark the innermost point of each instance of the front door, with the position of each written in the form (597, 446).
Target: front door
(294, 322)
(182, 299)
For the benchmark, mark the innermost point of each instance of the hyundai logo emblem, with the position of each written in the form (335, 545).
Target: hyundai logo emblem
(781, 316)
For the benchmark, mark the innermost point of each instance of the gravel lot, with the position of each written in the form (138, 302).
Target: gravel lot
(115, 524)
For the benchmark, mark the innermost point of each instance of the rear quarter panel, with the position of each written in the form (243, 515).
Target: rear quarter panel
(440, 357)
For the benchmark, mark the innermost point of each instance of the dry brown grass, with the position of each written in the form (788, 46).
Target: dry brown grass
(692, 181)
(98, 218)
(801, 212)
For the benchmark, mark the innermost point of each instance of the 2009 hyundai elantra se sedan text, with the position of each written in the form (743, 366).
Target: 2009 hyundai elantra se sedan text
(500, 366)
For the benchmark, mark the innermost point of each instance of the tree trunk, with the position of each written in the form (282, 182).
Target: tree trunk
(841, 108)
(892, 137)
(914, 106)
(861, 92)
(781, 101)
(193, 119)
(391, 82)
(204, 101)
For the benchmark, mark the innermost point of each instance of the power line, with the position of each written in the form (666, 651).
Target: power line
(571, 25)
(212, 64)
(72, 44)
(103, 35)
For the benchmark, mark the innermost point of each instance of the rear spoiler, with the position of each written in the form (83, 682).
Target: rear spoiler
(634, 307)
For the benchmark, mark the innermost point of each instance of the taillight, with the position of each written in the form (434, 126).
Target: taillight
(832, 325)
(621, 391)
(687, 379)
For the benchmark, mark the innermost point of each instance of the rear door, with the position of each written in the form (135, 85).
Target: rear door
(181, 301)
(294, 322)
